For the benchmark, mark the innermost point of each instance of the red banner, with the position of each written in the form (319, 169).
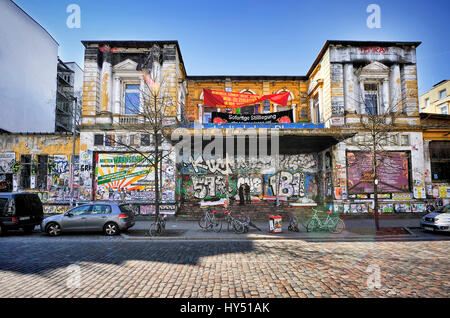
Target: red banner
(221, 99)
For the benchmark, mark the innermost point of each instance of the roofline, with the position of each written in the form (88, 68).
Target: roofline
(350, 42)
(244, 77)
(35, 22)
(73, 62)
(65, 66)
(144, 43)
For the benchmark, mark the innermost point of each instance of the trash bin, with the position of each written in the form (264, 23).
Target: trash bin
(275, 224)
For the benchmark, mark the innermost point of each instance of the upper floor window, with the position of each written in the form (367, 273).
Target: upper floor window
(316, 109)
(444, 110)
(442, 94)
(371, 100)
(427, 102)
(266, 106)
(98, 140)
(132, 99)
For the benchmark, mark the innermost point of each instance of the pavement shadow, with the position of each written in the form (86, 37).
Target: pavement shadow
(39, 257)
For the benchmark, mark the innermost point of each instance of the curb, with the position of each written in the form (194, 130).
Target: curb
(411, 236)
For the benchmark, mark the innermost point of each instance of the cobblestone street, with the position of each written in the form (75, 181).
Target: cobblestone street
(38, 267)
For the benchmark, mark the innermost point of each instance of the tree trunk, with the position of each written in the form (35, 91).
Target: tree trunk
(156, 178)
(375, 189)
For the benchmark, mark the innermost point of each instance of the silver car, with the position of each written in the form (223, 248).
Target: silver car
(111, 218)
(437, 221)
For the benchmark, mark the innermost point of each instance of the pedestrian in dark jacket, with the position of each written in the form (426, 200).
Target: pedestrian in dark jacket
(247, 194)
(241, 195)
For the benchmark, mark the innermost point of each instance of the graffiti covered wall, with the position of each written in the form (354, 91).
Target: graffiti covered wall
(296, 178)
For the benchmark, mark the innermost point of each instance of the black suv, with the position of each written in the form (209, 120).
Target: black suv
(20, 210)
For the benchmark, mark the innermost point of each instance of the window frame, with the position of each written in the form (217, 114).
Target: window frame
(131, 91)
(372, 93)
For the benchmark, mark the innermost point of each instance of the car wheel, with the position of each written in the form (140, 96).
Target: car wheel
(28, 229)
(111, 229)
(53, 229)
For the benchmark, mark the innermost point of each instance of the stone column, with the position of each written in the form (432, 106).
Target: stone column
(106, 82)
(361, 100)
(117, 96)
(294, 112)
(385, 89)
(395, 87)
(349, 96)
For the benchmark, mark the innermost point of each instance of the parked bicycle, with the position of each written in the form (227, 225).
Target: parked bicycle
(332, 223)
(238, 225)
(235, 224)
(159, 226)
(293, 224)
(209, 221)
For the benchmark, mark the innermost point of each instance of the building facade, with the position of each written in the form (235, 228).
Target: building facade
(112, 105)
(436, 142)
(318, 133)
(437, 99)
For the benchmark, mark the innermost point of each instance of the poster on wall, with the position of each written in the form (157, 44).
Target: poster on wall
(7, 160)
(130, 176)
(393, 172)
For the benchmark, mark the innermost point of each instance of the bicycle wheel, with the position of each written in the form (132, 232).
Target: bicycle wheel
(311, 225)
(154, 230)
(238, 227)
(216, 225)
(339, 227)
(203, 222)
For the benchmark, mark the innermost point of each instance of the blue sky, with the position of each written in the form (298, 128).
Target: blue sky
(254, 37)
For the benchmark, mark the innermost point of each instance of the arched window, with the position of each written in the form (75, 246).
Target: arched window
(251, 109)
(280, 108)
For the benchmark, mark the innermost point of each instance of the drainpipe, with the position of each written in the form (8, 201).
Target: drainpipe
(72, 162)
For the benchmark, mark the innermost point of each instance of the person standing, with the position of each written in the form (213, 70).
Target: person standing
(247, 194)
(241, 195)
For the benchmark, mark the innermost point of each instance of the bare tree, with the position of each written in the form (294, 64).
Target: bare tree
(377, 123)
(154, 114)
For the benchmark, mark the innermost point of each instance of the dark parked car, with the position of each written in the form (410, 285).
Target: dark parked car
(20, 211)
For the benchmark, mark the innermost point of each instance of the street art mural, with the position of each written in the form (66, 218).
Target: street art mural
(130, 176)
(296, 178)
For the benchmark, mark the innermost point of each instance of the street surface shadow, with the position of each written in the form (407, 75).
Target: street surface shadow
(38, 257)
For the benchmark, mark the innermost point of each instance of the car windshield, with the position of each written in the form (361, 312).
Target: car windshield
(3, 203)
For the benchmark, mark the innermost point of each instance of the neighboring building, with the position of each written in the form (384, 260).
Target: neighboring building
(78, 77)
(436, 143)
(65, 99)
(437, 99)
(28, 68)
(68, 97)
(40, 163)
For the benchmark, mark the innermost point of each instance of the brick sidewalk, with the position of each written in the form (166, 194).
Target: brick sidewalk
(123, 268)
